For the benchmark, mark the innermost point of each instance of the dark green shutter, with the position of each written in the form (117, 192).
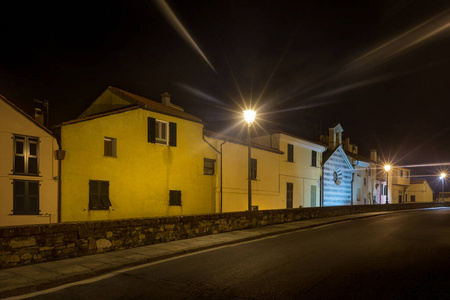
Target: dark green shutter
(151, 130)
(172, 134)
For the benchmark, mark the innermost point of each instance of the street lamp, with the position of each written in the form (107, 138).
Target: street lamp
(249, 117)
(443, 179)
(387, 168)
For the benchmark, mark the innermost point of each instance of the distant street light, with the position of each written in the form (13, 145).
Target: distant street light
(249, 117)
(387, 168)
(443, 179)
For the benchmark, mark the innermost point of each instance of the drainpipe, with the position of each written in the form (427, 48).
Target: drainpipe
(321, 187)
(221, 166)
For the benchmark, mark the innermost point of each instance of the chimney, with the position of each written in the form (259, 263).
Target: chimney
(166, 99)
(332, 138)
(39, 116)
(373, 155)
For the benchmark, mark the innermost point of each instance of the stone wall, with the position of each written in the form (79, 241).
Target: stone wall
(22, 245)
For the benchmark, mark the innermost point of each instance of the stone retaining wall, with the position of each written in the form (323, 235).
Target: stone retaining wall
(23, 245)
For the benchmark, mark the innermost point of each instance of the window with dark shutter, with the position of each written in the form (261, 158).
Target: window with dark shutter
(151, 128)
(290, 153)
(254, 169)
(99, 195)
(173, 134)
(175, 198)
(208, 166)
(314, 158)
(26, 197)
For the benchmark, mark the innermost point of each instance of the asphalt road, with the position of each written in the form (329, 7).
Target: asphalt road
(397, 256)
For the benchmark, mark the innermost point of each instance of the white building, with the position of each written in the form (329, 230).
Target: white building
(28, 169)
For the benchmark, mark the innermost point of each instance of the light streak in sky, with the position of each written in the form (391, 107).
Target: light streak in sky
(176, 24)
(404, 42)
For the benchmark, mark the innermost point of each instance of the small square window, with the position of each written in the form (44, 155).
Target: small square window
(208, 166)
(175, 198)
(110, 147)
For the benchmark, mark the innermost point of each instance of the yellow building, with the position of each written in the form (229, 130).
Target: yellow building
(419, 191)
(232, 154)
(128, 156)
(28, 169)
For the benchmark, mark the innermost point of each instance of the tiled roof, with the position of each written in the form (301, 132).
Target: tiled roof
(26, 115)
(153, 105)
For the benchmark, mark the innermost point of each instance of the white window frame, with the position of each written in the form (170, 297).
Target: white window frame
(159, 130)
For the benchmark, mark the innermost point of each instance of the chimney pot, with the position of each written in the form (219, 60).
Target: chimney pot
(166, 99)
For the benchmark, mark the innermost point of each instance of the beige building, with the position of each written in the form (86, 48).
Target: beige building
(28, 169)
(419, 191)
(300, 168)
(399, 181)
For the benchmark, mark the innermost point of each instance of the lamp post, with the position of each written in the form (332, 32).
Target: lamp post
(442, 178)
(387, 168)
(249, 117)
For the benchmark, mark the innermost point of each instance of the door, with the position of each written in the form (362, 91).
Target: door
(313, 196)
(289, 194)
(399, 198)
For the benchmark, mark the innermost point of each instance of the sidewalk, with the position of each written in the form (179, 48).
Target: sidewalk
(27, 279)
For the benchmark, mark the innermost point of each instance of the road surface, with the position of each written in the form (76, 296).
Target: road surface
(403, 255)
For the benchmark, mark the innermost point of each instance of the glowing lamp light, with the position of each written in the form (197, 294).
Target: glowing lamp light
(387, 168)
(442, 175)
(249, 116)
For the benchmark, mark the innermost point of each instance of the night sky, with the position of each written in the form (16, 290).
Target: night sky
(380, 68)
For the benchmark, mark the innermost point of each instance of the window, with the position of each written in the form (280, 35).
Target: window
(407, 174)
(313, 196)
(175, 198)
(26, 197)
(290, 153)
(289, 194)
(208, 166)
(365, 181)
(401, 173)
(337, 176)
(110, 147)
(162, 132)
(26, 155)
(385, 190)
(99, 195)
(253, 169)
(314, 158)
(413, 198)
(370, 172)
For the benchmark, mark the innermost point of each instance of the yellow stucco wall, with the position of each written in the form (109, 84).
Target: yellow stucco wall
(13, 122)
(141, 175)
(423, 192)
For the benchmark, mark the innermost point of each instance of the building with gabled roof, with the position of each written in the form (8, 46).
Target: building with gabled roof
(28, 169)
(128, 156)
(419, 191)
